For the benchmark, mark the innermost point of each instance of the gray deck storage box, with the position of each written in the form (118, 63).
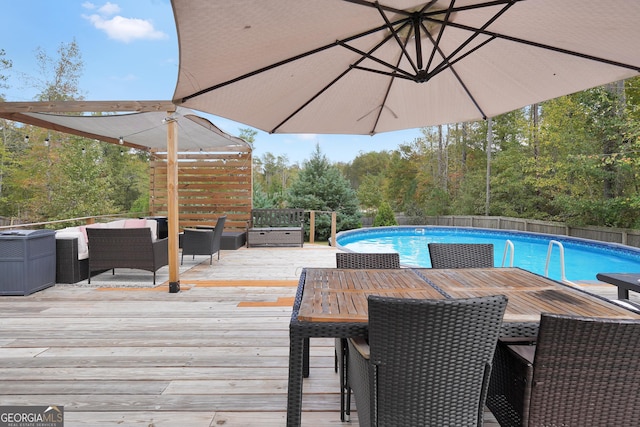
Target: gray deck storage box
(27, 261)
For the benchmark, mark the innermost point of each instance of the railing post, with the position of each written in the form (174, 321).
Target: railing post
(333, 227)
(312, 226)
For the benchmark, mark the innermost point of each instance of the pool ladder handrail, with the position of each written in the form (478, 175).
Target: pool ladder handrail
(508, 246)
(563, 277)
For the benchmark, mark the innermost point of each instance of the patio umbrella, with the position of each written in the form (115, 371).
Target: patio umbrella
(364, 67)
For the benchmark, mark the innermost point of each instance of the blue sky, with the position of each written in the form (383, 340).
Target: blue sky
(130, 52)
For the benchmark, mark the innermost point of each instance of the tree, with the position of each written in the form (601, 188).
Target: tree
(59, 78)
(83, 184)
(367, 165)
(385, 216)
(271, 178)
(370, 191)
(320, 186)
(248, 135)
(128, 175)
(5, 64)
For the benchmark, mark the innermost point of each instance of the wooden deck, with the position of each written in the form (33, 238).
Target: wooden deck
(215, 354)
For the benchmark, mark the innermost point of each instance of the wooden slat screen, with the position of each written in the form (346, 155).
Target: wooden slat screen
(209, 185)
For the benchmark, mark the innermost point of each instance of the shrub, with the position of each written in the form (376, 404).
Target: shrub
(385, 216)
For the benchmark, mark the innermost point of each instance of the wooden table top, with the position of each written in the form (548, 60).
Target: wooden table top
(340, 295)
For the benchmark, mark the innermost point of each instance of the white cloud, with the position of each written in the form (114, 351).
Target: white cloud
(109, 9)
(307, 136)
(121, 28)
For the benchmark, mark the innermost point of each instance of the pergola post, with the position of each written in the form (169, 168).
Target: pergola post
(172, 203)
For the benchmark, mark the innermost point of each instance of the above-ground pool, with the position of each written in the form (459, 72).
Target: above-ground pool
(583, 258)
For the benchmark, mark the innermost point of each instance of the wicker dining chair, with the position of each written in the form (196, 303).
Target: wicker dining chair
(203, 241)
(461, 255)
(581, 372)
(356, 260)
(427, 362)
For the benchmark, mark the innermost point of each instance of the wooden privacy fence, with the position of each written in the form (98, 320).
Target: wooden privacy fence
(209, 185)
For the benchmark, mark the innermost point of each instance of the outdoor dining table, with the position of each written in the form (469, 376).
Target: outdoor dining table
(332, 303)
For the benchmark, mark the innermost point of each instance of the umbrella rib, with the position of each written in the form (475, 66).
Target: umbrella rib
(436, 43)
(384, 101)
(281, 63)
(547, 47)
(472, 7)
(341, 75)
(309, 101)
(466, 89)
(373, 58)
(476, 32)
(386, 73)
(394, 32)
(364, 55)
(448, 64)
(377, 5)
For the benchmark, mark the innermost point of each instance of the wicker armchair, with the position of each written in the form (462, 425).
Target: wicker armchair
(112, 248)
(427, 363)
(585, 372)
(356, 260)
(203, 241)
(461, 255)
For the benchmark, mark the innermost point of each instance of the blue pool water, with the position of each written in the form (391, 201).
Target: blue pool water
(583, 258)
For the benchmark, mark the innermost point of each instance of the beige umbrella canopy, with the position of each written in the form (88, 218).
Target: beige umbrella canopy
(142, 130)
(364, 67)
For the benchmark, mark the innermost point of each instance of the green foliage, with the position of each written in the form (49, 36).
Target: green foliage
(5, 64)
(82, 184)
(248, 135)
(59, 77)
(320, 186)
(68, 176)
(365, 166)
(261, 199)
(271, 178)
(128, 176)
(370, 192)
(385, 216)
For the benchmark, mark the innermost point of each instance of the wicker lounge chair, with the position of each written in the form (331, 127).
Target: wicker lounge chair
(356, 260)
(427, 363)
(203, 241)
(585, 372)
(112, 248)
(461, 255)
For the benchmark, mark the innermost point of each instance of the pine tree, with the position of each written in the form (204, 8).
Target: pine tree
(321, 186)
